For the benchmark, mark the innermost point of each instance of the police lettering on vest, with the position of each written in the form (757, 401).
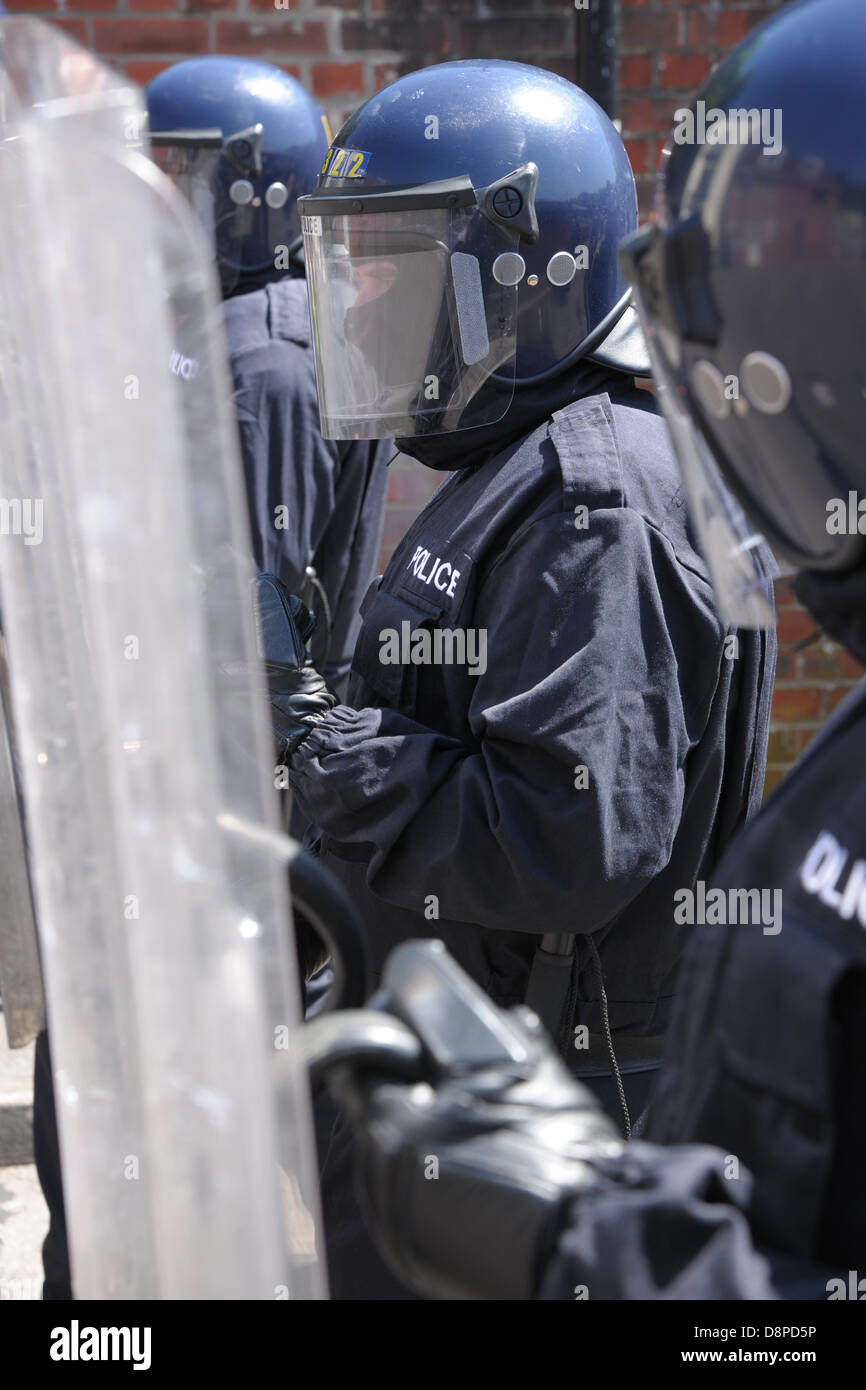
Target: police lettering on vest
(829, 865)
(439, 569)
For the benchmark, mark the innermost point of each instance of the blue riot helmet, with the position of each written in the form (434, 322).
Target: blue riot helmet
(243, 141)
(461, 244)
(752, 288)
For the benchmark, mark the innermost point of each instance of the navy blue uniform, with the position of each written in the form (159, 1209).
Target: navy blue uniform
(331, 492)
(766, 1059)
(672, 1225)
(786, 1096)
(448, 800)
(453, 804)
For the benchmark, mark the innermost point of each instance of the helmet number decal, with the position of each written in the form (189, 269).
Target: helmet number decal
(345, 164)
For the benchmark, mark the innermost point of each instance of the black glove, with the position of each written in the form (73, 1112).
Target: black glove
(299, 696)
(464, 1177)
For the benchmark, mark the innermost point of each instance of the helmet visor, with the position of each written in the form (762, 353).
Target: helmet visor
(733, 550)
(735, 553)
(414, 322)
(193, 170)
(220, 179)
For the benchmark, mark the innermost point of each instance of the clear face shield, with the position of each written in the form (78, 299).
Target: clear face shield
(730, 545)
(215, 174)
(414, 307)
(192, 169)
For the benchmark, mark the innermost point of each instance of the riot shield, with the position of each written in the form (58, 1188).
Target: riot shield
(157, 864)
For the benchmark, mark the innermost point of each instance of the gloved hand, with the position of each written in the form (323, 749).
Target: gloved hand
(299, 696)
(464, 1177)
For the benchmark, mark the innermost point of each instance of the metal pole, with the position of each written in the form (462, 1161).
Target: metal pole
(596, 51)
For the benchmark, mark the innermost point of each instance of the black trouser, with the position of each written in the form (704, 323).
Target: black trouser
(55, 1252)
(355, 1268)
(57, 1282)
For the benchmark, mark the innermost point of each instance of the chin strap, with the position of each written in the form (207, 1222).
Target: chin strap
(632, 359)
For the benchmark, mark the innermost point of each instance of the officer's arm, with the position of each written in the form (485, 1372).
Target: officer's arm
(668, 1224)
(581, 738)
(290, 470)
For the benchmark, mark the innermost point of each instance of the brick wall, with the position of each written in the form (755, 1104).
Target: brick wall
(343, 51)
(665, 50)
(810, 683)
(347, 50)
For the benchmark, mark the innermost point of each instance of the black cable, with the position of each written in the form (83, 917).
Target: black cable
(614, 1065)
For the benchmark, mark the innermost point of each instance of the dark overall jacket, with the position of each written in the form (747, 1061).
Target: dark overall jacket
(768, 1057)
(597, 751)
(602, 752)
(766, 1060)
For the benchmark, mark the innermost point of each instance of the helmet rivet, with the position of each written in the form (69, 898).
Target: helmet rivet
(532, 280)
(708, 385)
(357, 207)
(507, 201)
(277, 195)
(241, 192)
(765, 382)
(561, 268)
(509, 268)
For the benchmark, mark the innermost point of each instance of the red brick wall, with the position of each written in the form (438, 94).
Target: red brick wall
(347, 50)
(665, 50)
(343, 51)
(810, 683)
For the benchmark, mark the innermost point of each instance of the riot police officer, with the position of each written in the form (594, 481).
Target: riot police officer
(752, 286)
(549, 727)
(243, 141)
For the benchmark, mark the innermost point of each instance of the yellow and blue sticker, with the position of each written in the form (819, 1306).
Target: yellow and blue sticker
(345, 164)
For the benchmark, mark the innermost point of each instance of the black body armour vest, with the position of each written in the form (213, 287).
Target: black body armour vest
(766, 1053)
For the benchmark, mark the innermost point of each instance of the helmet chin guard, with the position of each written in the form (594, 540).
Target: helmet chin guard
(624, 348)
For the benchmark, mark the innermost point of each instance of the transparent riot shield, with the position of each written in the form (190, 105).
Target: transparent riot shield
(157, 864)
